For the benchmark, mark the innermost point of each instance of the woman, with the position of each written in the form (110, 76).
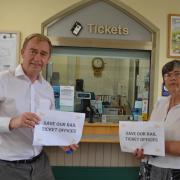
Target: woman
(167, 109)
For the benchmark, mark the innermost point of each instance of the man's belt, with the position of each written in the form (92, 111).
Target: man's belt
(25, 161)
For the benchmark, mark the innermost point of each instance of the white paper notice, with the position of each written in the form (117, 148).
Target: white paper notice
(8, 51)
(66, 95)
(146, 135)
(58, 128)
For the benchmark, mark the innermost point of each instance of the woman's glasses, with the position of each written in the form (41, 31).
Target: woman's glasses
(175, 74)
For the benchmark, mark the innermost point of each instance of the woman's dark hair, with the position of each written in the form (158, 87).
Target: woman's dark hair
(170, 66)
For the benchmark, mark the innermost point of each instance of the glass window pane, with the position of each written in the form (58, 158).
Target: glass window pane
(115, 89)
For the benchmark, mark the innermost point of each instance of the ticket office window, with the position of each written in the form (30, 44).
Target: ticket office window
(111, 91)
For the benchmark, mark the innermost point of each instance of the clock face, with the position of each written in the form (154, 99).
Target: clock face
(98, 63)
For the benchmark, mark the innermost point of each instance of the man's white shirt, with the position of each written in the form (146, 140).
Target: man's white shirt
(18, 95)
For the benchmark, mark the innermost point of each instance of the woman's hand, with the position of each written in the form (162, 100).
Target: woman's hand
(139, 153)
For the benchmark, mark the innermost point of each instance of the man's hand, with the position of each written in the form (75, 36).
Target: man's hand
(72, 147)
(26, 120)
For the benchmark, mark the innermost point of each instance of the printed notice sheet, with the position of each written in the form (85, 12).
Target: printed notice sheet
(67, 98)
(146, 135)
(8, 50)
(58, 128)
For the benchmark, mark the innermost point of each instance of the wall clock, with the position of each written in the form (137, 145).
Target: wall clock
(98, 65)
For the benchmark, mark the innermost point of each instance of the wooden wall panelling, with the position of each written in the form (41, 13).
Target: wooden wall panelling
(115, 155)
(130, 160)
(84, 151)
(122, 159)
(99, 155)
(77, 157)
(60, 157)
(107, 152)
(91, 154)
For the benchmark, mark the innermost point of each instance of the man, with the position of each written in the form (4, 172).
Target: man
(22, 92)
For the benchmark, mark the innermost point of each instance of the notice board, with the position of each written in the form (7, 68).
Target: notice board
(9, 49)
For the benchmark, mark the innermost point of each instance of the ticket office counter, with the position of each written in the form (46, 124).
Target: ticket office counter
(108, 84)
(99, 147)
(98, 156)
(117, 70)
(100, 133)
(114, 90)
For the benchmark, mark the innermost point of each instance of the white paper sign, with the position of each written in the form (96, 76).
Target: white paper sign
(66, 95)
(146, 135)
(58, 128)
(8, 52)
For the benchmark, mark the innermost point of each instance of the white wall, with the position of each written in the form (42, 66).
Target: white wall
(27, 16)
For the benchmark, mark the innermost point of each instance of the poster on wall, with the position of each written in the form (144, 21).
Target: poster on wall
(9, 50)
(174, 35)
